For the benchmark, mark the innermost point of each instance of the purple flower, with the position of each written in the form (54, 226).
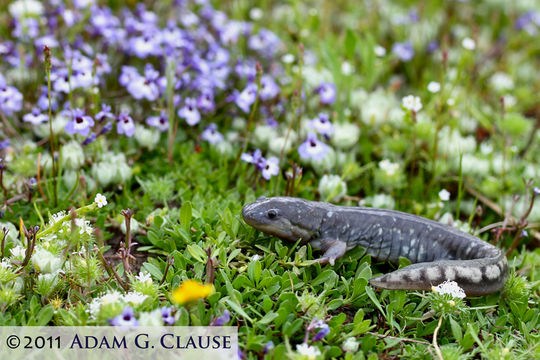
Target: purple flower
(524, 233)
(247, 97)
(432, 46)
(108, 127)
(404, 51)
(270, 167)
(10, 98)
(321, 333)
(322, 125)
(269, 346)
(320, 325)
(4, 144)
(255, 158)
(246, 70)
(190, 112)
(90, 139)
(125, 124)
(205, 102)
(79, 123)
(126, 319)
(327, 92)
(527, 22)
(536, 190)
(211, 134)
(313, 148)
(127, 75)
(159, 122)
(60, 80)
(144, 87)
(166, 314)
(35, 117)
(265, 43)
(269, 88)
(105, 113)
(223, 319)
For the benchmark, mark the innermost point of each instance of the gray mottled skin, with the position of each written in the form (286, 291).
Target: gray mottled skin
(438, 252)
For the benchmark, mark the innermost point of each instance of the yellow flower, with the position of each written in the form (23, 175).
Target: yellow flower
(191, 290)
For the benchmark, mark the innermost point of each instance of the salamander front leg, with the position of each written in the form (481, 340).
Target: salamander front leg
(334, 250)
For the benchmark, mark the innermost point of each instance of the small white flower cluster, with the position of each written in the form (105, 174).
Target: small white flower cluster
(132, 298)
(468, 43)
(389, 167)
(112, 168)
(412, 103)
(144, 278)
(451, 288)
(309, 351)
(47, 262)
(332, 188)
(82, 224)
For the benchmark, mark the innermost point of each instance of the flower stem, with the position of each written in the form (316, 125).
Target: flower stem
(435, 345)
(52, 146)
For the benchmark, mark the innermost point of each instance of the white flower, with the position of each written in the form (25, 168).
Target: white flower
(346, 68)
(501, 82)
(84, 226)
(468, 43)
(72, 155)
(332, 188)
(153, 318)
(146, 137)
(100, 200)
(256, 14)
(380, 201)
(412, 103)
(449, 287)
(57, 217)
(345, 135)
(434, 87)
(144, 277)
(23, 8)
(288, 58)
(111, 298)
(18, 252)
(379, 51)
(444, 195)
(389, 167)
(134, 298)
(311, 352)
(350, 345)
(46, 262)
(255, 257)
(450, 102)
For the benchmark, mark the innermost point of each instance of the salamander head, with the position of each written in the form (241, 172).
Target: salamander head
(285, 217)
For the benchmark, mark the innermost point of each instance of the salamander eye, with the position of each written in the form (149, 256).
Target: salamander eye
(272, 213)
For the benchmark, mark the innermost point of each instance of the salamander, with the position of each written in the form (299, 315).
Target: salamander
(438, 252)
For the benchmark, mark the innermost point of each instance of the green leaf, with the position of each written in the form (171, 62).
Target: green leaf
(268, 318)
(374, 299)
(350, 44)
(327, 277)
(254, 271)
(153, 270)
(197, 253)
(456, 330)
(185, 215)
(238, 309)
(45, 315)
